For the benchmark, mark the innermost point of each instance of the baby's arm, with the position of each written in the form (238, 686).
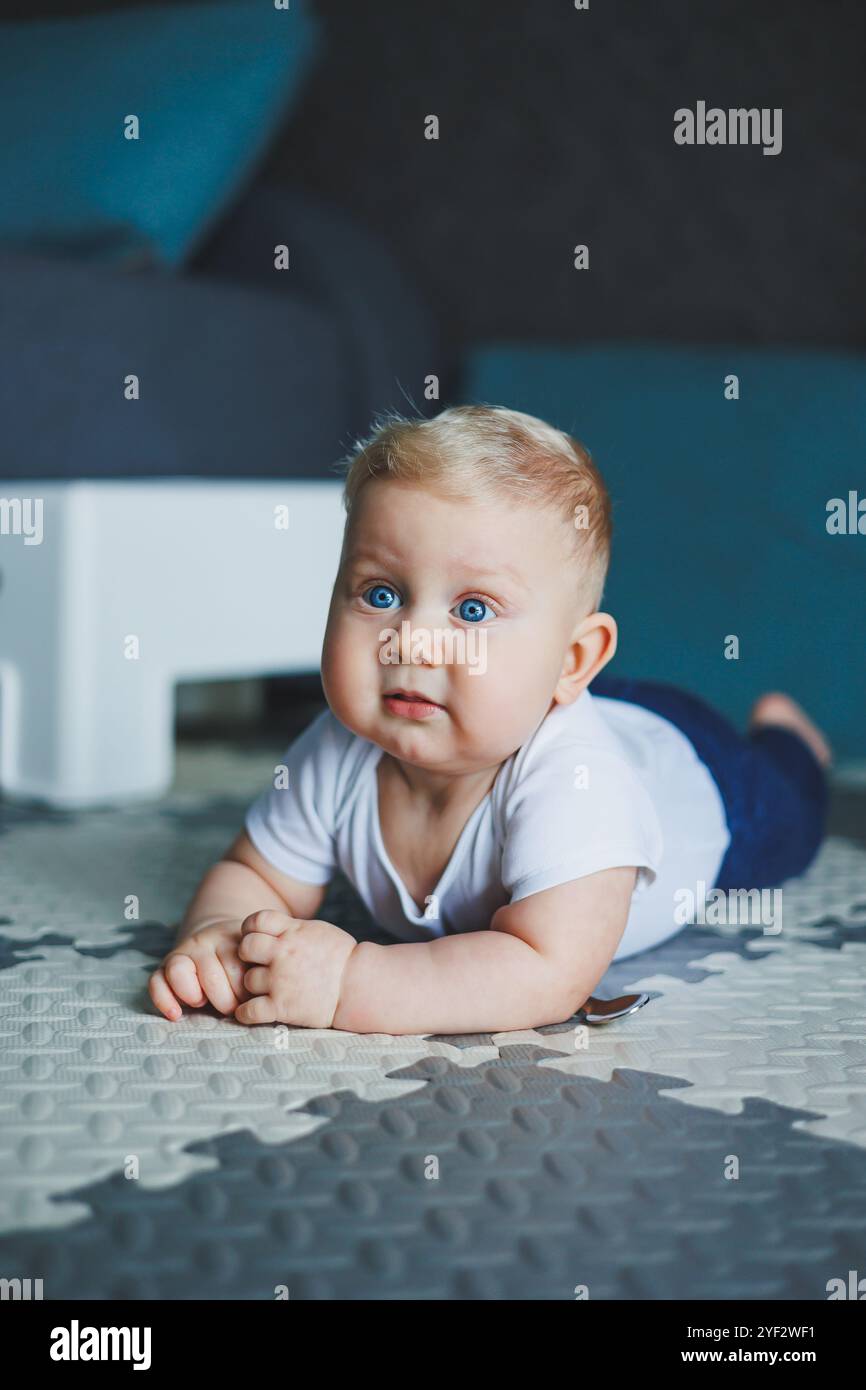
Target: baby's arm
(242, 882)
(538, 963)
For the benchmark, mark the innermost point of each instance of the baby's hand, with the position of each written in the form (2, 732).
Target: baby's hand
(297, 972)
(202, 968)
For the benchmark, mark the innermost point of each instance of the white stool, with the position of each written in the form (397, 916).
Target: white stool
(194, 573)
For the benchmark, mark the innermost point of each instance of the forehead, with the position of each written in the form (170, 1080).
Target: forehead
(402, 524)
(479, 566)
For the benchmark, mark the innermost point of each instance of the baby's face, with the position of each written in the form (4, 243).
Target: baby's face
(493, 579)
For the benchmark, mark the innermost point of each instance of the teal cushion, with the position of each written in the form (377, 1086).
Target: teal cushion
(208, 83)
(720, 511)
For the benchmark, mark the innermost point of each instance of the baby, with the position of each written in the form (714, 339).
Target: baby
(511, 829)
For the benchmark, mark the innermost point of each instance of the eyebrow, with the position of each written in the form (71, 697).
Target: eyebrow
(479, 571)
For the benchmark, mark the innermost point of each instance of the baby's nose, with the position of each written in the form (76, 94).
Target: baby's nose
(423, 641)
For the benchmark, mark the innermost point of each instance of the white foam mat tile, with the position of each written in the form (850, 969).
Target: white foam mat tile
(89, 1078)
(788, 1025)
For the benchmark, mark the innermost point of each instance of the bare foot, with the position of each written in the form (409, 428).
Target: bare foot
(777, 708)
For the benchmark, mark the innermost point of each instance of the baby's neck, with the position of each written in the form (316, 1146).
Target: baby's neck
(440, 793)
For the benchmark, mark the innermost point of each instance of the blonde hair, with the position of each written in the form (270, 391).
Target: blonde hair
(474, 450)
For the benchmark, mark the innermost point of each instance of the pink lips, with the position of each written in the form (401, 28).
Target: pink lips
(410, 704)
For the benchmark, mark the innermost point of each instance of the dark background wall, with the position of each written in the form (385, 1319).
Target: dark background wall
(557, 128)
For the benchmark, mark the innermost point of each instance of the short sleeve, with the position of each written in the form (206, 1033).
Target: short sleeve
(292, 823)
(577, 811)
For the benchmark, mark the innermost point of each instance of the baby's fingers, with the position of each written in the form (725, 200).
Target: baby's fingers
(269, 920)
(258, 980)
(182, 976)
(216, 984)
(160, 993)
(262, 1009)
(234, 968)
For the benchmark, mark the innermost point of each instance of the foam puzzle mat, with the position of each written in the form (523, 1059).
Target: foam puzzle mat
(711, 1145)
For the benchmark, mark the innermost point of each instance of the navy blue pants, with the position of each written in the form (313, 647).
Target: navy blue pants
(773, 787)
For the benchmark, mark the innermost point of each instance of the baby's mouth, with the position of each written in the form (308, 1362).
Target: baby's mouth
(410, 704)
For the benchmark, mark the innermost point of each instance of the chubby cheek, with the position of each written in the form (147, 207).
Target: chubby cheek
(349, 669)
(333, 663)
(499, 701)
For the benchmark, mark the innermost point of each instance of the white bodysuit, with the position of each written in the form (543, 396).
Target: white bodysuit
(599, 784)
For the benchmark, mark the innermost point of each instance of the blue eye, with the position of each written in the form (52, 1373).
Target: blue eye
(471, 610)
(379, 596)
(383, 597)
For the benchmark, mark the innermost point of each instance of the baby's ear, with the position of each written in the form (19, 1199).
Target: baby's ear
(600, 636)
